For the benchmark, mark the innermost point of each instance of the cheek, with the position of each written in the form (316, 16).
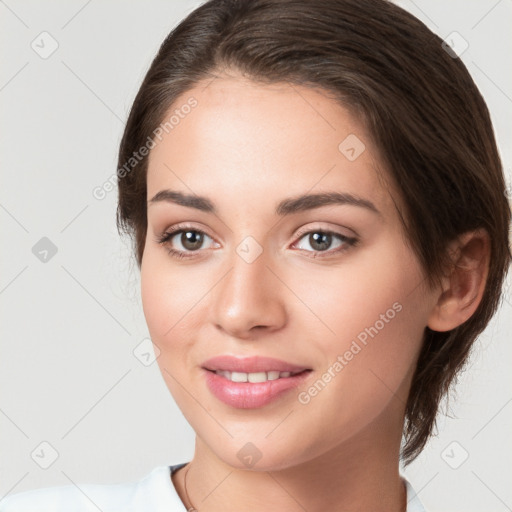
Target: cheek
(367, 297)
(378, 328)
(172, 300)
(155, 302)
(391, 310)
(373, 298)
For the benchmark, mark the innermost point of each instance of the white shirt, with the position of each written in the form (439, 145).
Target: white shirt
(154, 493)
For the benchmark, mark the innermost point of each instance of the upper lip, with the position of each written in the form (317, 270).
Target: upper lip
(250, 364)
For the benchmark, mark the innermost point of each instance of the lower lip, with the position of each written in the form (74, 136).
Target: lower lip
(250, 395)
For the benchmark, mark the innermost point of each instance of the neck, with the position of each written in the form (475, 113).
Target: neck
(360, 474)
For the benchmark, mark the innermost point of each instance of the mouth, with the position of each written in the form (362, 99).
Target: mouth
(245, 393)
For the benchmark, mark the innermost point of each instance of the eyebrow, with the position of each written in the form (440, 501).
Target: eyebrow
(285, 207)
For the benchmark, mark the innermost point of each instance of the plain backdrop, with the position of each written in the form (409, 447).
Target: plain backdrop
(71, 314)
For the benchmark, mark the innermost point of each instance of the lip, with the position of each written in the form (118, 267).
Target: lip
(250, 364)
(251, 395)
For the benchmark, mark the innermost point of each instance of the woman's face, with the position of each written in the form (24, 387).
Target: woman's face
(332, 288)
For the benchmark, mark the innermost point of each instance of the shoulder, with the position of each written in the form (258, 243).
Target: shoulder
(88, 497)
(413, 502)
(50, 499)
(81, 498)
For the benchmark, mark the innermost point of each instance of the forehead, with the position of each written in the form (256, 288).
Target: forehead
(243, 137)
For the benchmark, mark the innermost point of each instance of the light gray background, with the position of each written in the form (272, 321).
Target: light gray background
(68, 374)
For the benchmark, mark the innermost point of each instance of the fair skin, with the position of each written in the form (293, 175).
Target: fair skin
(246, 147)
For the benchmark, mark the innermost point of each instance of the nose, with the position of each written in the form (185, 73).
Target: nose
(249, 299)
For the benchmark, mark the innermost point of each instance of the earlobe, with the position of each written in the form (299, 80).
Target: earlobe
(463, 287)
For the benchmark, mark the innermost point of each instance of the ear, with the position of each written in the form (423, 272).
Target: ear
(464, 284)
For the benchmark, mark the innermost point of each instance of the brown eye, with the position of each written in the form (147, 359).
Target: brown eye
(322, 241)
(183, 243)
(191, 240)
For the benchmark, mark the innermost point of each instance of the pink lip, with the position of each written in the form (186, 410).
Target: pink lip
(250, 395)
(250, 364)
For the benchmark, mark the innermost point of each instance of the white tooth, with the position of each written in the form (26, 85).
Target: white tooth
(257, 377)
(238, 377)
(253, 377)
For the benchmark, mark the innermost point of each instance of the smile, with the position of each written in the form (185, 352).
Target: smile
(252, 390)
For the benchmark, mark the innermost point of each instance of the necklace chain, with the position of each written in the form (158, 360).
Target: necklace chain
(191, 508)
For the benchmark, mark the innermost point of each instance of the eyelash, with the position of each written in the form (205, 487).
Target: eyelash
(165, 237)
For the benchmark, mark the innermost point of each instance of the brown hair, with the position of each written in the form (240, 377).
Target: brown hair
(419, 103)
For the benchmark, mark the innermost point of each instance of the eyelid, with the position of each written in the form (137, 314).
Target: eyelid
(317, 227)
(183, 226)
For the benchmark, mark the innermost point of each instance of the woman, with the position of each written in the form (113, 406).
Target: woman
(318, 213)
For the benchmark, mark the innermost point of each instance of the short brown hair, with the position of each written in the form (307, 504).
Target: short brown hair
(418, 102)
